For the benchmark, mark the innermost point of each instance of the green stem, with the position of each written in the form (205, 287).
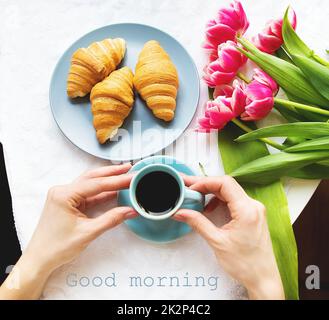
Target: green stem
(243, 77)
(203, 171)
(291, 104)
(245, 128)
(241, 125)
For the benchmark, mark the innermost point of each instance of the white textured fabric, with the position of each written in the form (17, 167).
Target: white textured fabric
(33, 35)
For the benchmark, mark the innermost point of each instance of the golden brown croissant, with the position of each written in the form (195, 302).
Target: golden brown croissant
(111, 102)
(91, 65)
(156, 80)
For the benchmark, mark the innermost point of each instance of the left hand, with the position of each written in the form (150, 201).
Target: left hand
(64, 229)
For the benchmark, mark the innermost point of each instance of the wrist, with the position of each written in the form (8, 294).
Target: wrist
(26, 280)
(266, 289)
(34, 266)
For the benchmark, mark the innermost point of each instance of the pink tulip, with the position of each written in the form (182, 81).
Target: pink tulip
(228, 105)
(215, 75)
(225, 68)
(223, 90)
(229, 23)
(230, 58)
(217, 115)
(251, 102)
(259, 101)
(263, 78)
(238, 101)
(232, 96)
(270, 39)
(217, 33)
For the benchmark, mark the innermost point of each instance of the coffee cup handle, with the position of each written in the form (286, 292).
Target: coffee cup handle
(193, 200)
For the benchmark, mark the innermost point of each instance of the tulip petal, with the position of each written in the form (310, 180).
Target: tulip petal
(217, 114)
(219, 119)
(229, 23)
(219, 33)
(244, 23)
(204, 125)
(234, 16)
(258, 109)
(223, 90)
(238, 101)
(229, 17)
(256, 91)
(267, 43)
(263, 78)
(271, 39)
(224, 101)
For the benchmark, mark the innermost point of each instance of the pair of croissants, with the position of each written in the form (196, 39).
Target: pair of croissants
(111, 92)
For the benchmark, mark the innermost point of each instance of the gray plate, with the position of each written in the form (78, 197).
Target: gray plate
(142, 134)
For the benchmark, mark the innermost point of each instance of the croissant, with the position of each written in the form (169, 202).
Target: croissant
(91, 65)
(156, 80)
(111, 102)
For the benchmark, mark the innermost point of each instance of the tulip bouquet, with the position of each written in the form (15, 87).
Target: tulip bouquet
(283, 61)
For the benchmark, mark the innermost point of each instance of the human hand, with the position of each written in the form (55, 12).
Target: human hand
(64, 229)
(243, 246)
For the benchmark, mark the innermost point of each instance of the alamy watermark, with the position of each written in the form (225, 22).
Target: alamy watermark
(312, 282)
(147, 141)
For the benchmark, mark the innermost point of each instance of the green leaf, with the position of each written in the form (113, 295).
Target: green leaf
(289, 142)
(269, 168)
(290, 78)
(315, 72)
(292, 42)
(324, 162)
(273, 197)
(298, 129)
(300, 114)
(311, 172)
(294, 115)
(295, 45)
(310, 145)
(290, 115)
(311, 116)
(282, 54)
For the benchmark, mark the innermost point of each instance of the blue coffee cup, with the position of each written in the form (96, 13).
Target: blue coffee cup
(187, 198)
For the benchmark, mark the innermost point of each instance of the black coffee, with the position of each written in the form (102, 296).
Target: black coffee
(157, 192)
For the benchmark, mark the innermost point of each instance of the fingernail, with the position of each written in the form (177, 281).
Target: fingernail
(127, 164)
(131, 215)
(131, 174)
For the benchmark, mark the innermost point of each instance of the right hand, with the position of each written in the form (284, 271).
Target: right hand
(243, 246)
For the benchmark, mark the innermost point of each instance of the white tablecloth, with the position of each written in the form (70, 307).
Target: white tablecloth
(33, 35)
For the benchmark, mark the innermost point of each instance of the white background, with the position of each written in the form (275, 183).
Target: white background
(33, 35)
